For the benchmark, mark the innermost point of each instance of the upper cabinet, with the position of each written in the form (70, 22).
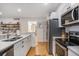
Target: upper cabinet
(62, 9)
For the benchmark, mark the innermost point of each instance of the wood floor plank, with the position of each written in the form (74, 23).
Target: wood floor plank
(41, 49)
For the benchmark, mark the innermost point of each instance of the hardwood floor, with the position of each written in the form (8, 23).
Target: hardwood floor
(41, 49)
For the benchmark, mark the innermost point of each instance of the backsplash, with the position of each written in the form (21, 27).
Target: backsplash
(72, 28)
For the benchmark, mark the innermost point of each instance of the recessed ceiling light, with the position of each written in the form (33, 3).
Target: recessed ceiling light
(0, 13)
(19, 10)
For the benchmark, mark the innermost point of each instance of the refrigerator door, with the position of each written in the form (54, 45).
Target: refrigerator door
(54, 30)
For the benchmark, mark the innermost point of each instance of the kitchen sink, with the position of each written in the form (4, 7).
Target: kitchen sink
(12, 39)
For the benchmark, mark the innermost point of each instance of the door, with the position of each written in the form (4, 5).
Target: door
(41, 31)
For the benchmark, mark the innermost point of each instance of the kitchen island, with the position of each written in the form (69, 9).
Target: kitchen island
(20, 46)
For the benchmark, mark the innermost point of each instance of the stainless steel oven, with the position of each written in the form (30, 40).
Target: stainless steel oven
(60, 50)
(73, 38)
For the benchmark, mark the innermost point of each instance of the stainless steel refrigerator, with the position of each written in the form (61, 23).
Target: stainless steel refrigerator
(53, 30)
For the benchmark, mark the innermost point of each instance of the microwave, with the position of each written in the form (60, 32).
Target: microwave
(70, 15)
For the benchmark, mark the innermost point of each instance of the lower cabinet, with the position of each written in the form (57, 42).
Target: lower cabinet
(17, 49)
(71, 53)
(22, 47)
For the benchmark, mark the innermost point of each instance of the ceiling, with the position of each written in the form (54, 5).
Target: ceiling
(28, 9)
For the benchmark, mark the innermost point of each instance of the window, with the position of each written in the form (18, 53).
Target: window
(32, 26)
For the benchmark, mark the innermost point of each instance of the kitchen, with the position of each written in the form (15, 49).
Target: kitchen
(39, 29)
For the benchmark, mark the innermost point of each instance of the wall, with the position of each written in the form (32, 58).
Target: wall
(53, 15)
(63, 7)
(41, 32)
(24, 25)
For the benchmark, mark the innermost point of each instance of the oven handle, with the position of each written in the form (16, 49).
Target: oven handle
(72, 14)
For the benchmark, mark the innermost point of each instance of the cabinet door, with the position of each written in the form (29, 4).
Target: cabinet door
(17, 49)
(23, 47)
(32, 37)
(29, 41)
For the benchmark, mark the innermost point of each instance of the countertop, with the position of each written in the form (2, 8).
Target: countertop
(5, 45)
(74, 49)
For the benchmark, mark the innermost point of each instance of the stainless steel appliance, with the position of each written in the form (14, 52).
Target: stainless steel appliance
(53, 30)
(60, 50)
(73, 38)
(62, 44)
(61, 47)
(70, 15)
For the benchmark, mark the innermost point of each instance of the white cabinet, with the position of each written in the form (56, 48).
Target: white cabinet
(28, 44)
(71, 53)
(22, 47)
(17, 49)
(74, 4)
(66, 7)
(33, 41)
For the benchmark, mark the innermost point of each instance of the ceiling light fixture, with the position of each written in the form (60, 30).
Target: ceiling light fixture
(0, 13)
(19, 10)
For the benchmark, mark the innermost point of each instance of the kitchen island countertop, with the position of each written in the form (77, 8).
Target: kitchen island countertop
(4, 45)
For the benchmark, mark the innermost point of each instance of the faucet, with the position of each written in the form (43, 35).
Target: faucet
(8, 34)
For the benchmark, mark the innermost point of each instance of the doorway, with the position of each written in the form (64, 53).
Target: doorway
(32, 26)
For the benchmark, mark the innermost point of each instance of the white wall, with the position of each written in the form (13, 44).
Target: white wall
(24, 25)
(41, 32)
(53, 15)
(8, 20)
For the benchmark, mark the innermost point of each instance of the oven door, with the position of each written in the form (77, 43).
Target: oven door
(60, 50)
(73, 41)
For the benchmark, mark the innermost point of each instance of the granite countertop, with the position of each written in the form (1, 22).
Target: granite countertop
(74, 49)
(4, 45)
